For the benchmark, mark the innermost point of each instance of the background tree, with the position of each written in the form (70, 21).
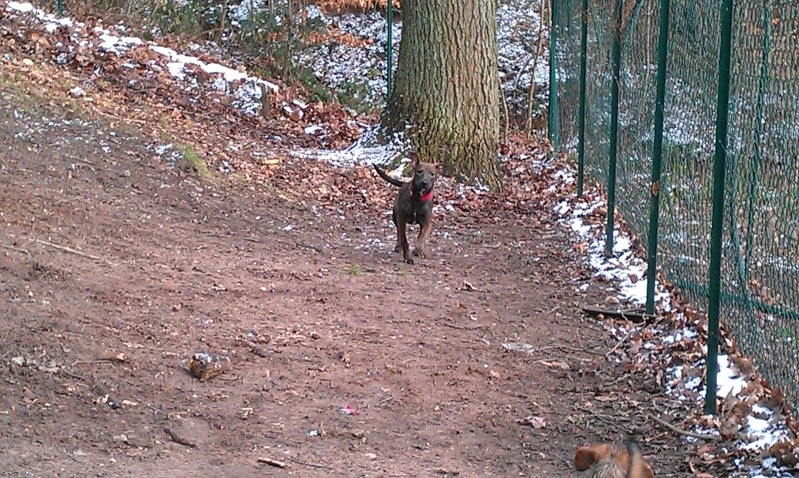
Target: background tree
(446, 87)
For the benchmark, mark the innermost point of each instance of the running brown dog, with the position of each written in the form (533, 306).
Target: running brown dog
(414, 205)
(613, 462)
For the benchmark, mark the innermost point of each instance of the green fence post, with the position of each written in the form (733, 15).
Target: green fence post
(389, 49)
(657, 156)
(553, 86)
(719, 171)
(614, 124)
(581, 114)
(60, 8)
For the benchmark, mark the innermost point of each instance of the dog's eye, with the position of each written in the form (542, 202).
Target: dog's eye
(419, 171)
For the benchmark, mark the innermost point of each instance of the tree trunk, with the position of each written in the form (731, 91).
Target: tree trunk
(446, 87)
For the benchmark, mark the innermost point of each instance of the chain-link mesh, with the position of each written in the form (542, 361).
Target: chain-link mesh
(760, 263)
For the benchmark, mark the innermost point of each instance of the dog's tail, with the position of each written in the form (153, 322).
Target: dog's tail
(637, 467)
(394, 181)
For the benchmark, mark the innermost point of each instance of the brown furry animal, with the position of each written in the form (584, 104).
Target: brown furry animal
(613, 462)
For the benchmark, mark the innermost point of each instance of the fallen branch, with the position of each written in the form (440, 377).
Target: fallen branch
(613, 422)
(66, 249)
(275, 463)
(679, 431)
(463, 327)
(420, 304)
(550, 361)
(72, 375)
(565, 347)
(385, 400)
(96, 361)
(178, 439)
(618, 344)
(81, 160)
(635, 315)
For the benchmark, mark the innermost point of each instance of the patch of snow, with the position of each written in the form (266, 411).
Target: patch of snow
(247, 95)
(20, 7)
(362, 152)
(117, 44)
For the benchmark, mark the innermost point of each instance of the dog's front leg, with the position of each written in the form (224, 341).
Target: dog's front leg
(398, 247)
(402, 239)
(421, 241)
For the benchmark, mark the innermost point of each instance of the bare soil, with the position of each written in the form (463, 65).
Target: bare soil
(345, 361)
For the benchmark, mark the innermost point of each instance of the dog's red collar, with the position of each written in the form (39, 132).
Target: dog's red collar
(425, 197)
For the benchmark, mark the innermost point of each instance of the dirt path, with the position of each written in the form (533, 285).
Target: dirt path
(308, 302)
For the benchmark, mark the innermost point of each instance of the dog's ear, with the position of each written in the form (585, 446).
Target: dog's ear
(588, 455)
(439, 168)
(642, 469)
(414, 159)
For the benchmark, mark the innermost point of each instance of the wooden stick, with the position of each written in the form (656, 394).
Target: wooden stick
(275, 463)
(636, 315)
(101, 360)
(178, 439)
(684, 432)
(70, 374)
(462, 327)
(79, 159)
(66, 249)
(385, 400)
(618, 344)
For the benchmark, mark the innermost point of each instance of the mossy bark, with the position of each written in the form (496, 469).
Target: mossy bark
(446, 87)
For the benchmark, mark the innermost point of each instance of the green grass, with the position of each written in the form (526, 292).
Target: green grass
(197, 163)
(353, 270)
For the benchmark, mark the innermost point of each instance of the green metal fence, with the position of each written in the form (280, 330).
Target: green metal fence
(755, 158)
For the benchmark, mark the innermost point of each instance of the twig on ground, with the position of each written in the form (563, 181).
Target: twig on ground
(66, 249)
(617, 380)
(635, 315)
(566, 347)
(560, 359)
(462, 327)
(417, 303)
(178, 439)
(70, 374)
(607, 419)
(86, 362)
(577, 349)
(618, 344)
(275, 463)
(81, 160)
(385, 400)
(679, 431)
